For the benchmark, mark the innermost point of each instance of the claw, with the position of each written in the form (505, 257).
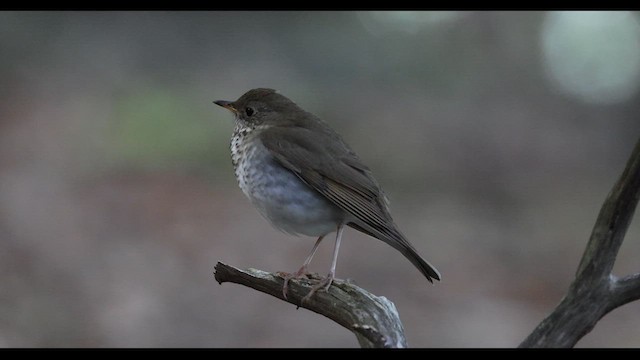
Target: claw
(301, 273)
(324, 284)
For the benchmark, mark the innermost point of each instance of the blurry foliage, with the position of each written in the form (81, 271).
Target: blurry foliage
(156, 128)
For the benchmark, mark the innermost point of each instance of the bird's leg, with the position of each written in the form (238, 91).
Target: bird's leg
(303, 270)
(326, 282)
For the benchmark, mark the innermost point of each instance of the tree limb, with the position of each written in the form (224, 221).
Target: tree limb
(626, 289)
(374, 320)
(595, 291)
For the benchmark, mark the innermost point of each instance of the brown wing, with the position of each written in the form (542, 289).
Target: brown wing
(324, 162)
(324, 165)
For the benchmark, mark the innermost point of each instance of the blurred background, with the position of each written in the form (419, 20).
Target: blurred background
(496, 135)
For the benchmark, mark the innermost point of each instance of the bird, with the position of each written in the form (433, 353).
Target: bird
(305, 180)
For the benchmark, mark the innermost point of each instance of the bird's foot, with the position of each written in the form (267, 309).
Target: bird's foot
(301, 273)
(324, 284)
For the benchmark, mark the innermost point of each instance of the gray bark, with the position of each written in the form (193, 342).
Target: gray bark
(373, 319)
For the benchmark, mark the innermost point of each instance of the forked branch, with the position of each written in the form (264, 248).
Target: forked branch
(596, 291)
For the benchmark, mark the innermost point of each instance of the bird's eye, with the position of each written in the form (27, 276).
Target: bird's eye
(249, 111)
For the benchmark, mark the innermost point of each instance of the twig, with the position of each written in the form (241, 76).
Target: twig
(595, 291)
(374, 320)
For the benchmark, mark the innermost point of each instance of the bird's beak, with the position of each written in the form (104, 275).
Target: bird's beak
(227, 105)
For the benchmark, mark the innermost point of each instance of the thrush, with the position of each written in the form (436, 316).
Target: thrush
(304, 179)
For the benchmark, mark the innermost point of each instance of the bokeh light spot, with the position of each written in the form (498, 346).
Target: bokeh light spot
(593, 55)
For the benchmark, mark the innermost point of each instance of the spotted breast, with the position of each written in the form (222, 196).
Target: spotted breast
(280, 195)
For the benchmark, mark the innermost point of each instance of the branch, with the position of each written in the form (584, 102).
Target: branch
(374, 320)
(595, 291)
(626, 289)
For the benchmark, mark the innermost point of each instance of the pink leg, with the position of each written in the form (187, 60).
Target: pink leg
(326, 282)
(303, 270)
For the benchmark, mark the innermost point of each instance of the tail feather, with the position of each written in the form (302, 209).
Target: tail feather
(394, 238)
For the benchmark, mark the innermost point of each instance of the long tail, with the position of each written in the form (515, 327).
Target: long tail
(394, 238)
